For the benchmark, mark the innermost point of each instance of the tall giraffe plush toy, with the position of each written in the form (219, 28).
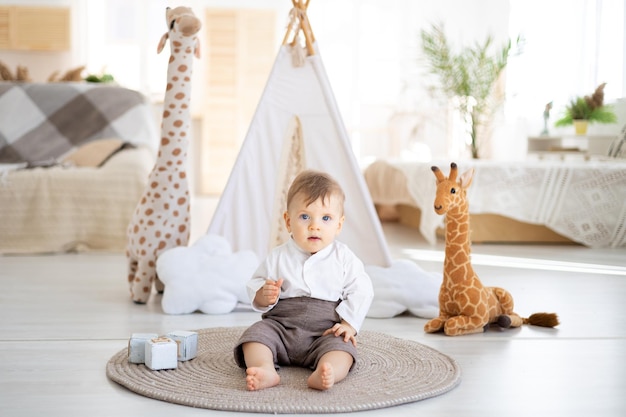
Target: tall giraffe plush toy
(465, 305)
(161, 219)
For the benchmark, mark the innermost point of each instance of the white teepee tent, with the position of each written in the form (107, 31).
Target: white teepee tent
(296, 126)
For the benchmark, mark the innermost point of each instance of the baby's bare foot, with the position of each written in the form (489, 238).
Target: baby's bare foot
(260, 378)
(322, 378)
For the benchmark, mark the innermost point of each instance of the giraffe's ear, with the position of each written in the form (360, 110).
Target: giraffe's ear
(162, 42)
(196, 49)
(466, 178)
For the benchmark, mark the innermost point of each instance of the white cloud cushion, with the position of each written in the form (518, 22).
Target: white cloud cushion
(206, 276)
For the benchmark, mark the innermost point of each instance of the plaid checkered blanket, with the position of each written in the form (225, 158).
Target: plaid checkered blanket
(44, 121)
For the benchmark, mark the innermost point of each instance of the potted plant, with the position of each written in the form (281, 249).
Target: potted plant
(468, 77)
(588, 109)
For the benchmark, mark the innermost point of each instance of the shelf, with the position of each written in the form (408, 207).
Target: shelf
(570, 144)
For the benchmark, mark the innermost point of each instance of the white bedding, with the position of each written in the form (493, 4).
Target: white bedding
(584, 201)
(62, 209)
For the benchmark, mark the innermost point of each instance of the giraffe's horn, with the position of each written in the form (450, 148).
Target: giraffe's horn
(453, 172)
(438, 174)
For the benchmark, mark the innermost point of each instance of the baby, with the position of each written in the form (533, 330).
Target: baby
(312, 290)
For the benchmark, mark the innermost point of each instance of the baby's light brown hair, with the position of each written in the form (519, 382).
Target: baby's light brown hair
(314, 185)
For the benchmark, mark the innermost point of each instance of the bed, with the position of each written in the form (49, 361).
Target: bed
(548, 201)
(74, 160)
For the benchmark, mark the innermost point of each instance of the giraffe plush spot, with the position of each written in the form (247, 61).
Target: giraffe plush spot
(481, 310)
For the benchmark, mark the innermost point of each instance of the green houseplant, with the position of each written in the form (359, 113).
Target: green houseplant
(469, 76)
(588, 109)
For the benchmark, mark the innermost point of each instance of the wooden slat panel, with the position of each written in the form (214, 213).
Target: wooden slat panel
(241, 48)
(5, 38)
(255, 66)
(35, 28)
(42, 28)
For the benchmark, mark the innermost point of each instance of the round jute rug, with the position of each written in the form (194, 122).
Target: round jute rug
(389, 371)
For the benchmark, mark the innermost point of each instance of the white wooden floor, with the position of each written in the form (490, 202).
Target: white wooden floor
(63, 316)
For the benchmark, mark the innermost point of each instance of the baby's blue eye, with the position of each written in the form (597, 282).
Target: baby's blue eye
(326, 218)
(304, 216)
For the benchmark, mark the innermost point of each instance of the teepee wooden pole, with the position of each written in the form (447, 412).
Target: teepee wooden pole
(286, 38)
(308, 23)
(290, 25)
(306, 28)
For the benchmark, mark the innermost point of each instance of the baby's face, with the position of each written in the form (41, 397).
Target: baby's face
(315, 226)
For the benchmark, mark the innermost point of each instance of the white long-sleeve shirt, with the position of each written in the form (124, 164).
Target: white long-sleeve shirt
(332, 274)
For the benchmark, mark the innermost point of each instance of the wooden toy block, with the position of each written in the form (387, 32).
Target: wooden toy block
(161, 353)
(187, 344)
(137, 346)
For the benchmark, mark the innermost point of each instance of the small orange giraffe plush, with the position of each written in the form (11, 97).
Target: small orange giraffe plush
(465, 305)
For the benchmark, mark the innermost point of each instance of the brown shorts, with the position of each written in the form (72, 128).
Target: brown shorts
(293, 332)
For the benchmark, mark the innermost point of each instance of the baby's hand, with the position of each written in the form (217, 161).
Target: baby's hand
(270, 291)
(343, 329)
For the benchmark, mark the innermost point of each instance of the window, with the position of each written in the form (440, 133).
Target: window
(572, 46)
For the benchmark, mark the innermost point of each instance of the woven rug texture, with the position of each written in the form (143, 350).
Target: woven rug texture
(389, 371)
